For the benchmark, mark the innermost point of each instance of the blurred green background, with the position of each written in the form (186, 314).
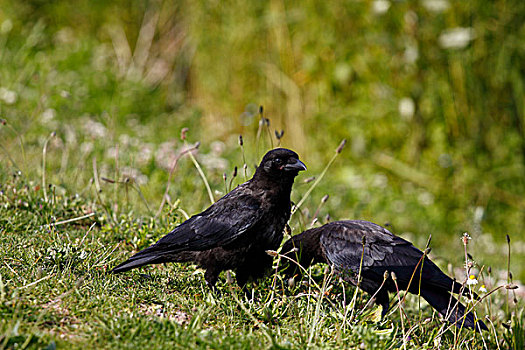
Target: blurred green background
(430, 95)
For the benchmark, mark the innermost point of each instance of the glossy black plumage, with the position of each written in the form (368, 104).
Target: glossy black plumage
(234, 232)
(343, 244)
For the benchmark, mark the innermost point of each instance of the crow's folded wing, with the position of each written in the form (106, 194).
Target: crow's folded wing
(221, 224)
(345, 243)
(342, 244)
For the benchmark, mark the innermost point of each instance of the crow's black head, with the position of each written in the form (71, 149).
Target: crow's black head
(282, 163)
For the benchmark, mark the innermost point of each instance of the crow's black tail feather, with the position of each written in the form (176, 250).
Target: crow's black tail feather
(146, 256)
(134, 263)
(154, 255)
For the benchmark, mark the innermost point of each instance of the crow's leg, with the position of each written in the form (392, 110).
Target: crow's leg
(242, 281)
(211, 276)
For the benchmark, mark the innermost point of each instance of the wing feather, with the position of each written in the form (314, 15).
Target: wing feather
(221, 224)
(342, 244)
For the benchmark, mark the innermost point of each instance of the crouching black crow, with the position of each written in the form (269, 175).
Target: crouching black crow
(352, 245)
(235, 232)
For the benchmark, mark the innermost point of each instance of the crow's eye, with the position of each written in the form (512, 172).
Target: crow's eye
(277, 161)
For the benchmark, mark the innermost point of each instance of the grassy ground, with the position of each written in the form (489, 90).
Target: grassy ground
(55, 292)
(93, 100)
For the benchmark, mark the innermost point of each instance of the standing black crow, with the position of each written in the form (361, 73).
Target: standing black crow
(234, 232)
(352, 245)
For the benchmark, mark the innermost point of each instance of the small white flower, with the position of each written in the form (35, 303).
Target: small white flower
(436, 5)
(472, 281)
(478, 214)
(411, 54)
(407, 108)
(483, 289)
(426, 198)
(65, 94)
(48, 115)
(456, 38)
(380, 6)
(94, 129)
(8, 96)
(144, 154)
(124, 139)
(465, 238)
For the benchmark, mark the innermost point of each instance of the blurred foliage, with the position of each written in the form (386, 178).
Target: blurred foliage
(430, 95)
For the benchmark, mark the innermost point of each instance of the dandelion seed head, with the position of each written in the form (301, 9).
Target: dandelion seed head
(94, 129)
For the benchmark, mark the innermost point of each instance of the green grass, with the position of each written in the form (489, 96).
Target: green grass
(89, 134)
(55, 290)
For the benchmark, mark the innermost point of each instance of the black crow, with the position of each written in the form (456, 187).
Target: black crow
(235, 232)
(352, 245)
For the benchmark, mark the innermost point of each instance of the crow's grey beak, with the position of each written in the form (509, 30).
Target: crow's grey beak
(296, 165)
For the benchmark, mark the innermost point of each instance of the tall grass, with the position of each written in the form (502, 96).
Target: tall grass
(435, 145)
